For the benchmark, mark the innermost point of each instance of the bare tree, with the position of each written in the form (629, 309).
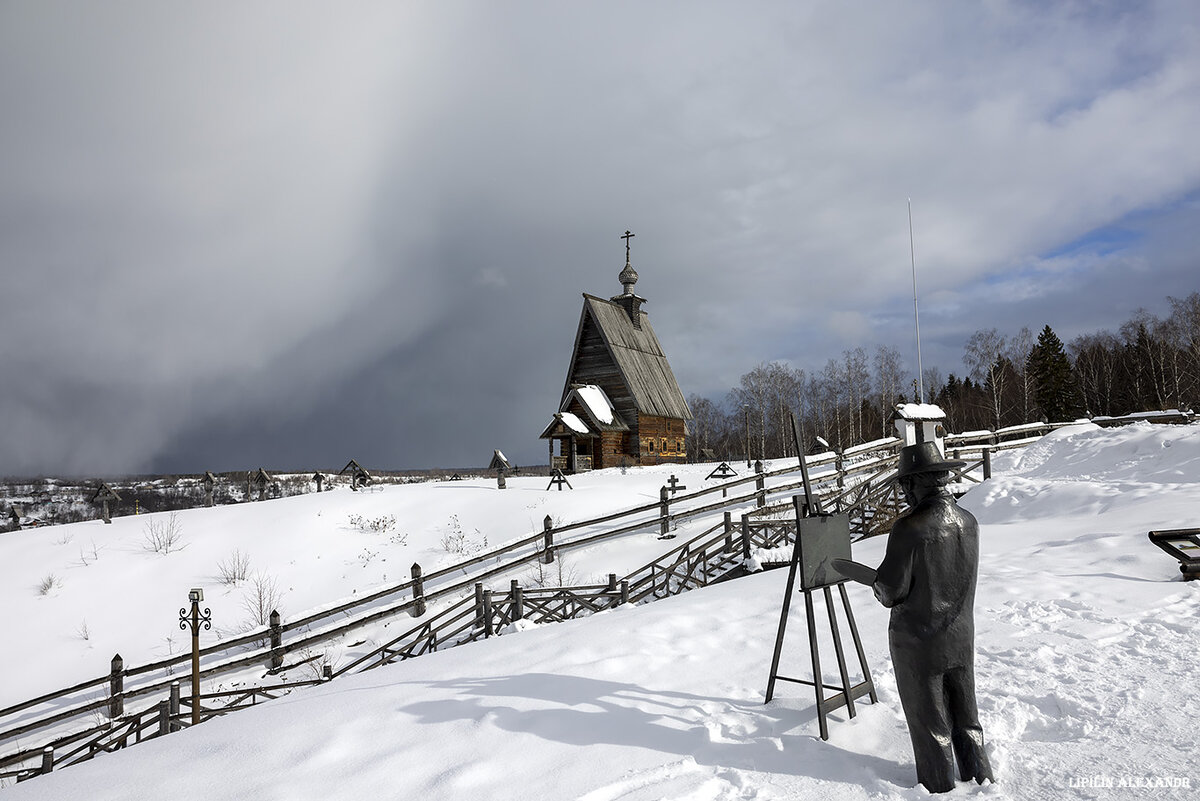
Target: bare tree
(1096, 359)
(933, 381)
(889, 384)
(754, 391)
(1147, 361)
(259, 600)
(784, 385)
(702, 428)
(1019, 348)
(858, 384)
(1185, 317)
(983, 355)
(832, 393)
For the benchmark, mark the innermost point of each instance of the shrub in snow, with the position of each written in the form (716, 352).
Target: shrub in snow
(378, 525)
(235, 568)
(561, 573)
(457, 541)
(48, 583)
(87, 556)
(316, 661)
(259, 600)
(163, 534)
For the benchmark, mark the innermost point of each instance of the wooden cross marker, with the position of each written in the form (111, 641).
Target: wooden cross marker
(723, 470)
(558, 478)
(673, 485)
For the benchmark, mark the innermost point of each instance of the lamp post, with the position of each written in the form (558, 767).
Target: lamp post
(746, 415)
(195, 618)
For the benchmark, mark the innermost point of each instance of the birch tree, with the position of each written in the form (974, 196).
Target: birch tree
(984, 358)
(889, 384)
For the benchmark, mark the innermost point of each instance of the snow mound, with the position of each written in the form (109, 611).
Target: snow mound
(1089, 469)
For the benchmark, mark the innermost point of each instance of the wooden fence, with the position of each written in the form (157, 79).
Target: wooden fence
(856, 480)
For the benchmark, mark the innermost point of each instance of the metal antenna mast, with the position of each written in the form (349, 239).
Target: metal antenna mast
(916, 314)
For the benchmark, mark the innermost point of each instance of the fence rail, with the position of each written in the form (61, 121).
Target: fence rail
(854, 481)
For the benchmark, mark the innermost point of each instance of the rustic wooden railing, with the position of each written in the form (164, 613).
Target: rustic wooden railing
(855, 480)
(112, 735)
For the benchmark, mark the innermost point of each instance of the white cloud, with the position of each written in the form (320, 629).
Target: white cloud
(255, 202)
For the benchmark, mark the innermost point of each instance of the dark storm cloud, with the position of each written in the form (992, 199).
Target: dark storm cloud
(258, 234)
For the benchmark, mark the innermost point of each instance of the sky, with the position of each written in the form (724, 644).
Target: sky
(287, 235)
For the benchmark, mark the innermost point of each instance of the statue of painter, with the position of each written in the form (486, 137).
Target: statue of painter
(927, 578)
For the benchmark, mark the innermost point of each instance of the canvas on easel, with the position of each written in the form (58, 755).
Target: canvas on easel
(822, 539)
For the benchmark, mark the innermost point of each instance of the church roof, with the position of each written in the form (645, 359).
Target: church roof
(638, 356)
(597, 412)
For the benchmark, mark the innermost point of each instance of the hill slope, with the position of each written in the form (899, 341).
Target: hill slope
(1086, 642)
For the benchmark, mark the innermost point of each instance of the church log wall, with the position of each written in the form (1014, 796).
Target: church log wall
(653, 433)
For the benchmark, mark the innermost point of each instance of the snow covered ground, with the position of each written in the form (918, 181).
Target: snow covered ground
(80, 593)
(1086, 666)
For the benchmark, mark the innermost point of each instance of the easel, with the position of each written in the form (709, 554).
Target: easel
(845, 694)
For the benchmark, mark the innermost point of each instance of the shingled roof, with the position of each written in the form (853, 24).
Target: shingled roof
(637, 355)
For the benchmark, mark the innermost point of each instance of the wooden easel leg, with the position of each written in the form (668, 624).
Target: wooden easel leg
(787, 606)
(862, 657)
(783, 618)
(814, 651)
(841, 656)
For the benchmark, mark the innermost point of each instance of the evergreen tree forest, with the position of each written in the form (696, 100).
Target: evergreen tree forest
(1147, 364)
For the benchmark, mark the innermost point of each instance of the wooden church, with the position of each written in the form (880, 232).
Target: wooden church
(620, 404)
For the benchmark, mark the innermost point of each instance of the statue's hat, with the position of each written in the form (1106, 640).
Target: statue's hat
(924, 457)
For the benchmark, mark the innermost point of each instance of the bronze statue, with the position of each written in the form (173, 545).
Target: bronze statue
(927, 578)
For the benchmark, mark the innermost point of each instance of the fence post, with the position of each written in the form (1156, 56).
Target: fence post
(518, 600)
(116, 688)
(548, 529)
(174, 700)
(840, 466)
(745, 536)
(418, 590)
(760, 483)
(612, 583)
(488, 630)
(47, 759)
(164, 716)
(728, 532)
(276, 641)
(479, 605)
(987, 463)
(624, 592)
(664, 504)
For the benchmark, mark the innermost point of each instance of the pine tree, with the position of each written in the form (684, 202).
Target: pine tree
(1055, 386)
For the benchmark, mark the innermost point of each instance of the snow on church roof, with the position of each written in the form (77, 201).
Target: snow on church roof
(573, 422)
(596, 401)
